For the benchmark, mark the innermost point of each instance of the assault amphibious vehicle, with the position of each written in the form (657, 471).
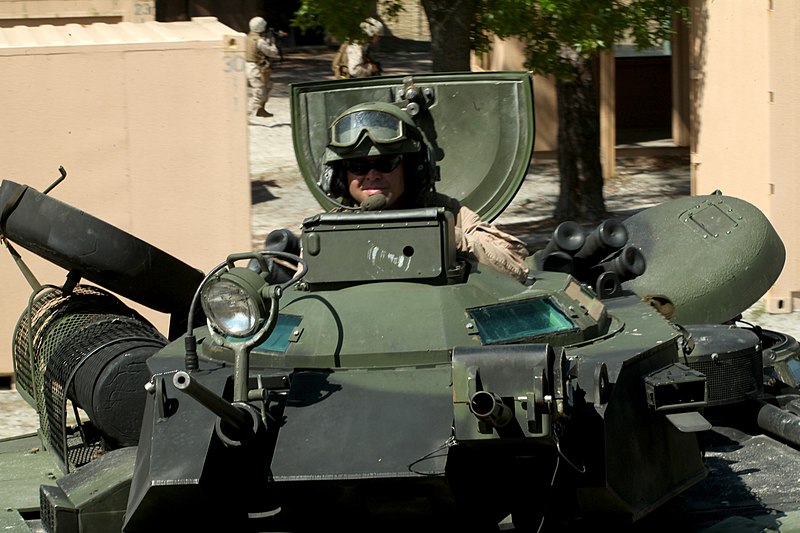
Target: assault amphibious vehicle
(389, 382)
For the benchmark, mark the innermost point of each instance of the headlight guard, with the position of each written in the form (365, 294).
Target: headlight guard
(234, 304)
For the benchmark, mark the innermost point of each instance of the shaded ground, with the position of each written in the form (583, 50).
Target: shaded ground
(640, 183)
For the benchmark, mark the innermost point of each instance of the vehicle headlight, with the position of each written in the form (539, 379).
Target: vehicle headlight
(233, 302)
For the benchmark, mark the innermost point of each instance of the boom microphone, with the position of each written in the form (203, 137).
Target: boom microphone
(375, 202)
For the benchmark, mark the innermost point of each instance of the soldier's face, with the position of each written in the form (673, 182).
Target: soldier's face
(376, 175)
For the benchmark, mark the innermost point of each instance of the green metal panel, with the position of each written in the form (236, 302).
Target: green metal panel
(403, 416)
(711, 256)
(369, 325)
(26, 465)
(396, 245)
(12, 522)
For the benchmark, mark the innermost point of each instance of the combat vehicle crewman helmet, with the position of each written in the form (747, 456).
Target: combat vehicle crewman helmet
(374, 129)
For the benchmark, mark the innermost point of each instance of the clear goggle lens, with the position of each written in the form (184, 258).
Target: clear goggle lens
(381, 127)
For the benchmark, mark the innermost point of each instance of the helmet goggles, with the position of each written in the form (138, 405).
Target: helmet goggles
(381, 127)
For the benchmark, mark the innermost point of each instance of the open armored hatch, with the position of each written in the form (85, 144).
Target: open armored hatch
(480, 126)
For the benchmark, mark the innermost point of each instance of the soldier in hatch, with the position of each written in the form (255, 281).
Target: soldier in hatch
(377, 159)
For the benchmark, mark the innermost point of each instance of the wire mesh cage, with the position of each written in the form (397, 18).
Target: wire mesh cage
(85, 350)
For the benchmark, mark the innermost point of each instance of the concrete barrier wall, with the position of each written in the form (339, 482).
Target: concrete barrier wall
(60, 12)
(149, 120)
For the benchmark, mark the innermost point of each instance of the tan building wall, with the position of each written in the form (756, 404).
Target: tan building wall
(745, 114)
(149, 120)
(60, 12)
(730, 89)
(784, 147)
(412, 23)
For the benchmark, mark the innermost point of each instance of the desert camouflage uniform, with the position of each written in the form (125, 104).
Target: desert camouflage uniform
(258, 54)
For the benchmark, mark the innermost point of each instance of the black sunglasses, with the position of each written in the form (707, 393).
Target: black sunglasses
(361, 166)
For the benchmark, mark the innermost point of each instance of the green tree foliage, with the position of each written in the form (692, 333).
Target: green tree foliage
(585, 27)
(562, 38)
(450, 22)
(341, 19)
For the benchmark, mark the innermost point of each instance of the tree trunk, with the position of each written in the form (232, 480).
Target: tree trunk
(449, 22)
(580, 171)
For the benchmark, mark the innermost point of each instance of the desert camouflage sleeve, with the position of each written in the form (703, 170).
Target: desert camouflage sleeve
(489, 245)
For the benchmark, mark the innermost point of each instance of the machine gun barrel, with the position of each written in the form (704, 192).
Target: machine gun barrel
(236, 418)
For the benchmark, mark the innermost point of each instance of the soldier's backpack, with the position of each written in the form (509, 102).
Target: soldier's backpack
(339, 63)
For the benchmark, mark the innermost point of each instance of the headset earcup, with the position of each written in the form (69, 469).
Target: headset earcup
(338, 185)
(331, 180)
(325, 178)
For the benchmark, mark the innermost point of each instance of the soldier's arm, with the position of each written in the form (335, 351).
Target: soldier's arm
(268, 48)
(490, 246)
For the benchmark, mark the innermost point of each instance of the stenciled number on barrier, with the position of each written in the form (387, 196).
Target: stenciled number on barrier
(234, 63)
(143, 8)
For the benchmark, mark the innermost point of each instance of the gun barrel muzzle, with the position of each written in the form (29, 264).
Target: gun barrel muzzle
(489, 407)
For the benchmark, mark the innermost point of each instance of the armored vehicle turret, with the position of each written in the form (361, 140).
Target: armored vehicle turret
(367, 374)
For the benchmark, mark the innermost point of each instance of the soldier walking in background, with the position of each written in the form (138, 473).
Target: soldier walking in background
(261, 49)
(360, 60)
